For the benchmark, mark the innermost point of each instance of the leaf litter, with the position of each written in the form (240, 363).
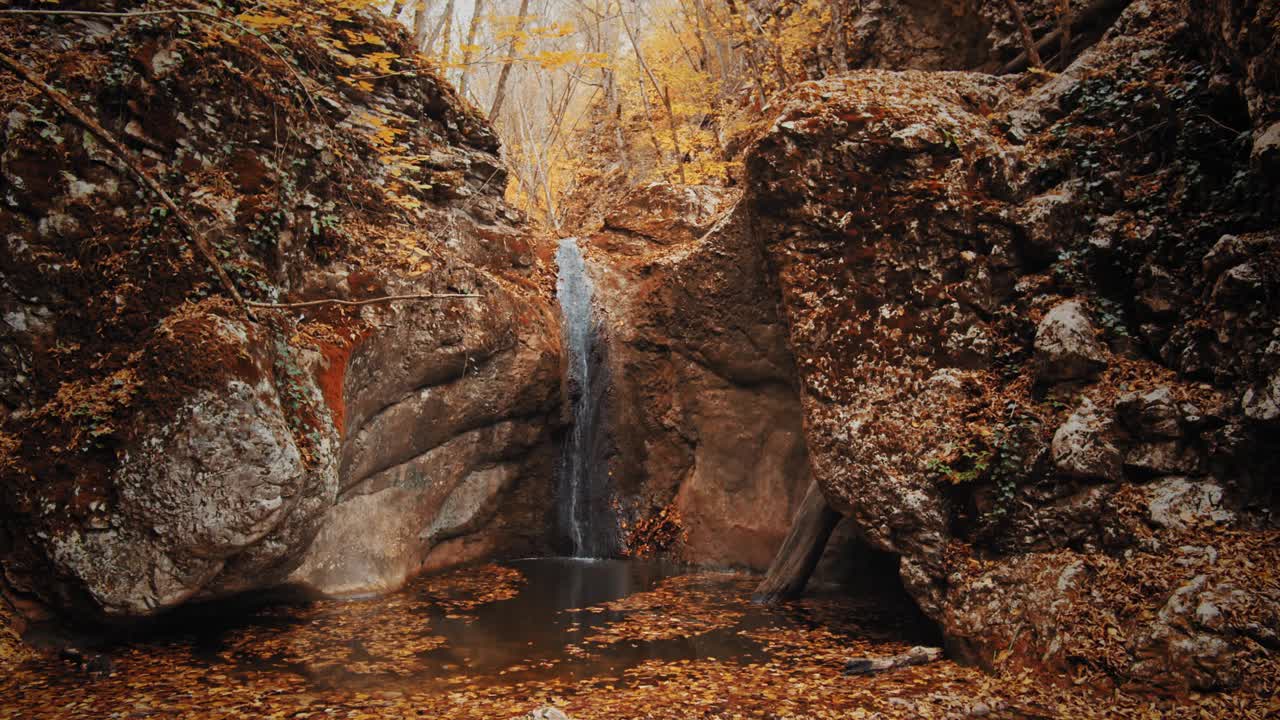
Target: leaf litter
(389, 658)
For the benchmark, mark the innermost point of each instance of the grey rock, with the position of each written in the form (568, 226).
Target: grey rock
(1183, 641)
(1240, 285)
(1085, 447)
(1180, 504)
(1168, 457)
(1158, 293)
(1232, 250)
(218, 481)
(1262, 402)
(1049, 221)
(1066, 345)
(1266, 150)
(918, 655)
(546, 713)
(968, 343)
(1151, 416)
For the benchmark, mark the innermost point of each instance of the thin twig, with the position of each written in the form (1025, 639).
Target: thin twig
(197, 240)
(356, 303)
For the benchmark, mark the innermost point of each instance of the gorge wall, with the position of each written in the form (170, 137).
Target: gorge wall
(1035, 333)
(708, 458)
(158, 446)
(1021, 330)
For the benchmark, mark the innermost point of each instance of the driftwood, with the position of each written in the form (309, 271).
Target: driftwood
(918, 655)
(198, 241)
(800, 552)
(357, 303)
(1100, 14)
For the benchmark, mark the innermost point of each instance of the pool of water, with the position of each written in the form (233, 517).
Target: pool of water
(594, 636)
(562, 618)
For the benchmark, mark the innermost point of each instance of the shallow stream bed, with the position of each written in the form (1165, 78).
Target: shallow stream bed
(598, 639)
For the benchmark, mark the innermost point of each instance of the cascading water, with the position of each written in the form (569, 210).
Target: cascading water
(582, 481)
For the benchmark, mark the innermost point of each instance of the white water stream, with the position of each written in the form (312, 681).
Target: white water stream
(580, 476)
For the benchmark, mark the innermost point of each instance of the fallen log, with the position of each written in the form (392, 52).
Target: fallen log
(1092, 21)
(810, 529)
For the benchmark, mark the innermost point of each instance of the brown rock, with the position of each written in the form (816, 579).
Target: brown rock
(702, 407)
(1152, 416)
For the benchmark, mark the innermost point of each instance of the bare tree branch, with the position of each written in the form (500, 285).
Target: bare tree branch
(359, 303)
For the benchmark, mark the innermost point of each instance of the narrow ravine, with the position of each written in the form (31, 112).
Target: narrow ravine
(639, 359)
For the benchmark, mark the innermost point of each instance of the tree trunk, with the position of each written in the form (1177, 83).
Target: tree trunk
(1086, 26)
(501, 92)
(435, 32)
(841, 10)
(1064, 27)
(467, 53)
(738, 25)
(800, 552)
(420, 30)
(664, 95)
(1028, 40)
(446, 44)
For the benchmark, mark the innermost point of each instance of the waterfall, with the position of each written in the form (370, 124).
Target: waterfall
(582, 490)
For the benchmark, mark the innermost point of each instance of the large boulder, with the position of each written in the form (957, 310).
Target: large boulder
(1038, 529)
(866, 294)
(159, 445)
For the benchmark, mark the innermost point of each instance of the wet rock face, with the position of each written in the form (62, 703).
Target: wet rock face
(447, 454)
(158, 446)
(1100, 448)
(702, 414)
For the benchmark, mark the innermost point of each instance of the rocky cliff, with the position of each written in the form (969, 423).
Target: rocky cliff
(1035, 329)
(158, 445)
(709, 458)
(1020, 328)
